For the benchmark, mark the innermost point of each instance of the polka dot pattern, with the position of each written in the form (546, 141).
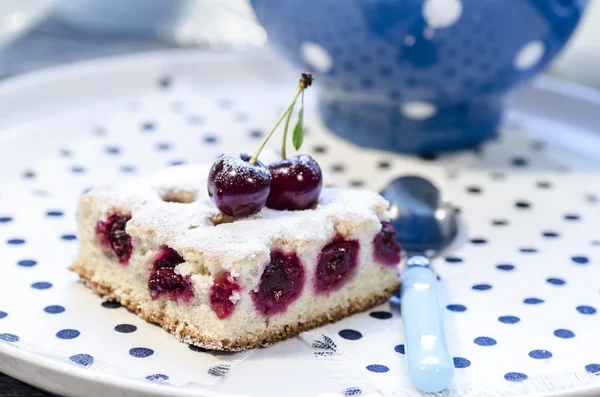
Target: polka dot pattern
(27, 263)
(157, 377)
(588, 310)
(478, 241)
(580, 260)
(350, 334)
(125, 328)
(505, 267)
(556, 281)
(381, 315)
(141, 352)
(593, 369)
(533, 301)
(84, 360)
(352, 391)
(67, 334)
(9, 338)
(547, 263)
(509, 319)
(54, 309)
(461, 362)
(564, 333)
(540, 354)
(54, 214)
(111, 305)
(484, 341)
(41, 285)
(528, 250)
(456, 308)
(482, 287)
(378, 368)
(515, 377)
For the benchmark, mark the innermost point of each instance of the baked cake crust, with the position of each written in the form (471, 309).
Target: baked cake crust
(128, 232)
(188, 335)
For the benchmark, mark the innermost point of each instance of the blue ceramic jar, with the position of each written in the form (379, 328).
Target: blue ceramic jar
(418, 76)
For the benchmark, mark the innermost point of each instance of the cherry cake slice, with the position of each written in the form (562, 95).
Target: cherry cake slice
(159, 246)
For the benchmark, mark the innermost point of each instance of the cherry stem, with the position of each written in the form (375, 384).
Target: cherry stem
(285, 130)
(305, 81)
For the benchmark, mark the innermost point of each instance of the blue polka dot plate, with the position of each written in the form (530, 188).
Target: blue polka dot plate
(519, 288)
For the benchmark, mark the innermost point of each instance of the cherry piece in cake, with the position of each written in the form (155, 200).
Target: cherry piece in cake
(221, 293)
(237, 187)
(336, 264)
(281, 283)
(296, 183)
(166, 282)
(387, 250)
(111, 233)
(167, 257)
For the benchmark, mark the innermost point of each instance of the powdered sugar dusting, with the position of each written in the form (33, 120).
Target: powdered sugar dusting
(235, 297)
(241, 246)
(235, 165)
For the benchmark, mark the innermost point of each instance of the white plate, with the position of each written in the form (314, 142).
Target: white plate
(65, 129)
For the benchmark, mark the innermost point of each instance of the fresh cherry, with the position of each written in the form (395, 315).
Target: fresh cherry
(336, 264)
(237, 187)
(111, 234)
(280, 284)
(166, 282)
(239, 184)
(296, 183)
(386, 248)
(167, 257)
(221, 293)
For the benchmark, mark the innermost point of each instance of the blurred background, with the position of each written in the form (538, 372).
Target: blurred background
(40, 33)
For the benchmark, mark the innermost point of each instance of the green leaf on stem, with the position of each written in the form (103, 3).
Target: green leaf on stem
(298, 135)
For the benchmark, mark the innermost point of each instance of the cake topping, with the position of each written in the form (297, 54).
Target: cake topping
(280, 284)
(111, 234)
(336, 264)
(387, 250)
(223, 295)
(296, 184)
(239, 184)
(237, 187)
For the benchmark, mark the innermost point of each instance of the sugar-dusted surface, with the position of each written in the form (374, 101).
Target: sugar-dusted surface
(211, 244)
(238, 188)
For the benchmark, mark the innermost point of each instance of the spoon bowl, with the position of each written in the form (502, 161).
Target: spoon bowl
(424, 222)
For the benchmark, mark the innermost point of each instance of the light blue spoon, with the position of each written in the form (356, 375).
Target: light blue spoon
(425, 226)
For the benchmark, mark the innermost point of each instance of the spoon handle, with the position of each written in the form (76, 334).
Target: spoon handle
(430, 367)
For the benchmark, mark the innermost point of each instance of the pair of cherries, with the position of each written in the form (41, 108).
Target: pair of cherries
(240, 185)
(240, 189)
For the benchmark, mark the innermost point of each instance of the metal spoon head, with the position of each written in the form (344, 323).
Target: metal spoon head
(423, 221)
